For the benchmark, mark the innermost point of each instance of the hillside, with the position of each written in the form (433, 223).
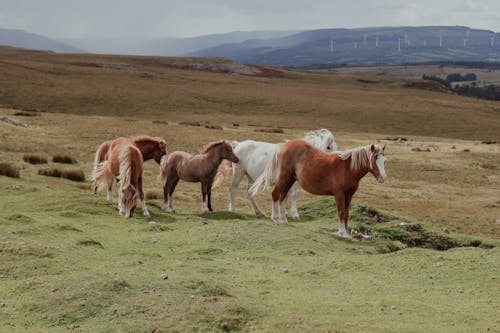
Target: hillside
(27, 40)
(364, 46)
(425, 256)
(154, 87)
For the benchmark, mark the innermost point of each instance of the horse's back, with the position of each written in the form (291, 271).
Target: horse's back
(254, 155)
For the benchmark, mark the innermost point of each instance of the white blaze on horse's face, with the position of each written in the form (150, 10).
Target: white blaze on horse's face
(380, 163)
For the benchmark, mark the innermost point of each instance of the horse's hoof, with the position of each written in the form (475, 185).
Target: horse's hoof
(345, 235)
(147, 215)
(296, 217)
(260, 215)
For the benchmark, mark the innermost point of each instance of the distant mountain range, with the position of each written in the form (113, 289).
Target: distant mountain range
(329, 47)
(27, 40)
(313, 48)
(172, 46)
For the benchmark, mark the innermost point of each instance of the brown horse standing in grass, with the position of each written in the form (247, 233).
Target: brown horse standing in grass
(150, 147)
(198, 168)
(322, 174)
(124, 161)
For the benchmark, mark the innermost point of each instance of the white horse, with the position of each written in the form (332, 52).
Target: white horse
(254, 156)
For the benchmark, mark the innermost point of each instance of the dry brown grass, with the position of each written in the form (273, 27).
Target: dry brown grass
(34, 159)
(65, 159)
(9, 170)
(337, 101)
(74, 175)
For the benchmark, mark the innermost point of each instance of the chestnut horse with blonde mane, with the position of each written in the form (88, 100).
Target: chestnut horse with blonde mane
(124, 161)
(198, 168)
(319, 173)
(150, 147)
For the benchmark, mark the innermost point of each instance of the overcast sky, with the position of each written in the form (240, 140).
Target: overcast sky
(183, 18)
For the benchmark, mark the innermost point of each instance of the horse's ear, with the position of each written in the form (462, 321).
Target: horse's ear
(372, 148)
(383, 148)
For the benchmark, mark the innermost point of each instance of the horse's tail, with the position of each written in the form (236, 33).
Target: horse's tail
(102, 176)
(270, 173)
(162, 177)
(98, 158)
(224, 168)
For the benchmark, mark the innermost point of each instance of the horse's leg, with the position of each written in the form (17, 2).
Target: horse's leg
(280, 193)
(145, 211)
(293, 198)
(209, 194)
(237, 176)
(342, 212)
(170, 196)
(251, 197)
(110, 191)
(204, 192)
(121, 209)
(168, 191)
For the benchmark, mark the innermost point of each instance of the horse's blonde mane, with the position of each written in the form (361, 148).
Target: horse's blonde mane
(125, 177)
(320, 139)
(211, 145)
(359, 156)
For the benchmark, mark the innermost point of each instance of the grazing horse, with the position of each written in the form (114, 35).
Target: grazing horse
(322, 174)
(198, 168)
(254, 155)
(150, 147)
(124, 161)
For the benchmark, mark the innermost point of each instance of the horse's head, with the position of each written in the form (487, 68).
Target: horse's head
(331, 145)
(129, 200)
(228, 153)
(160, 150)
(377, 160)
(322, 139)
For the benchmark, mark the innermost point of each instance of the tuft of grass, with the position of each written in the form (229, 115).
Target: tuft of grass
(26, 114)
(90, 242)
(34, 159)
(7, 169)
(270, 130)
(74, 175)
(51, 172)
(64, 159)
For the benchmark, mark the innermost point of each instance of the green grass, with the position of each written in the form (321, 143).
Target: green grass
(69, 261)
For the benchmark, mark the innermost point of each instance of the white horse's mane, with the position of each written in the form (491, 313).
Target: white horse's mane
(359, 156)
(321, 139)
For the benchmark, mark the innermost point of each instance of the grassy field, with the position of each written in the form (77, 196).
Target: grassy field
(69, 262)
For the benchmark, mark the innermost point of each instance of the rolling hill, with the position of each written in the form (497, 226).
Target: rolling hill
(365, 46)
(27, 40)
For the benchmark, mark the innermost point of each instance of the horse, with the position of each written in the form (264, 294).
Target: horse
(124, 161)
(150, 147)
(198, 168)
(254, 156)
(319, 173)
